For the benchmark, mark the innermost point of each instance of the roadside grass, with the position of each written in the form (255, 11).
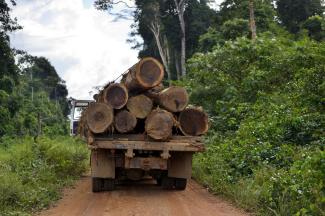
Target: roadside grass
(32, 175)
(296, 190)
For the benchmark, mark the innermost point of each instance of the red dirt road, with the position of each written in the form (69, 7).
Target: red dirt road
(143, 198)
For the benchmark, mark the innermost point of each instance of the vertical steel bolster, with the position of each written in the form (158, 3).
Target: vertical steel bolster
(102, 164)
(180, 165)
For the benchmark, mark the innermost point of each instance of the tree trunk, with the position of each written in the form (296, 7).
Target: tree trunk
(173, 99)
(159, 124)
(162, 48)
(193, 122)
(140, 106)
(116, 95)
(177, 66)
(180, 8)
(124, 121)
(252, 19)
(145, 74)
(99, 117)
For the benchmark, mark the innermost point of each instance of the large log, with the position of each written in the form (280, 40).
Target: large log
(140, 106)
(99, 117)
(145, 74)
(159, 124)
(124, 121)
(193, 122)
(116, 95)
(173, 99)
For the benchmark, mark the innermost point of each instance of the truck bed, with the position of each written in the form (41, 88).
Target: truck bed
(143, 142)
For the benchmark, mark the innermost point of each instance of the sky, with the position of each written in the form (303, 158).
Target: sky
(86, 46)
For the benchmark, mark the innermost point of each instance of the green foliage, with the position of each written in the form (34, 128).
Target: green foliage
(32, 174)
(315, 26)
(234, 28)
(293, 13)
(239, 9)
(266, 103)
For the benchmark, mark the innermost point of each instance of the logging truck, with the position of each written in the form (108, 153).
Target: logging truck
(137, 128)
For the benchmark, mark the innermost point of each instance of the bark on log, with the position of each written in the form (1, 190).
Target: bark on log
(193, 122)
(82, 126)
(140, 106)
(95, 97)
(159, 124)
(173, 99)
(124, 121)
(145, 74)
(99, 117)
(116, 95)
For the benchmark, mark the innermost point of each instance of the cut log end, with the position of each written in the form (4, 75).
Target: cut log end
(159, 124)
(149, 72)
(140, 106)
(125, 121)
(99, 117)
(173, 99)
(193, 122)
(116, 95)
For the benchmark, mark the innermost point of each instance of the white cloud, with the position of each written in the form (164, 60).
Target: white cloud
(84, 45)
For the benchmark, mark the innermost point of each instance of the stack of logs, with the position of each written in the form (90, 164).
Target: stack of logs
(141, 104)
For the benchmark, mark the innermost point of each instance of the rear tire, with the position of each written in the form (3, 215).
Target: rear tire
(159, 181)
(167, 183)
(180, 183)
(97, 184)
(109, 184)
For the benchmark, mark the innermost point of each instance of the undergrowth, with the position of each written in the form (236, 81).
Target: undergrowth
(33, 174)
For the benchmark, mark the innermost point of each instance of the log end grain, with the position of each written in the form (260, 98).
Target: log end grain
(99, 117)
(140, 106)
(193, 122)
(124, 121)
(116, 95)
(173, 99)
(149, 72)
(159, 124)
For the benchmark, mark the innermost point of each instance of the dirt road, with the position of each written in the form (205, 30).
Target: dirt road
(143, 198)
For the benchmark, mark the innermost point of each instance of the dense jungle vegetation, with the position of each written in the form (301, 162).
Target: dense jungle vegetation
(37, 159)
(258, 68)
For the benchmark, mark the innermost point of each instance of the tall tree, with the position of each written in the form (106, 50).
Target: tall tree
(252, 19)
(152, 18)
(293, 13)
(180, 8)
(8, 69)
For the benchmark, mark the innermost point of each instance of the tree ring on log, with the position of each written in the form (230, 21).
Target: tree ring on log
(159, 124)
(149, 72)
(116, 95)
(140, 106)
(174, 99)
(99, 117)
(124, 121)
(193, 122)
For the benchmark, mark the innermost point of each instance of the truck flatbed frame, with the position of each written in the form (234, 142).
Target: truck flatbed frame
(143, 142)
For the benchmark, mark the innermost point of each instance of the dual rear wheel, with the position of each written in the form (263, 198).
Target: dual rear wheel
(170, 183)
(102, 184)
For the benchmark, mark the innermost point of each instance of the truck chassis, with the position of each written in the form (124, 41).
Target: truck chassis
(118, 157)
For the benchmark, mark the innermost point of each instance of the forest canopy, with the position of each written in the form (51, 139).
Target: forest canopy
(33, 97)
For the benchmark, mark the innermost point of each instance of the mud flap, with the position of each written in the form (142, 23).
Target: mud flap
(180, 165)
(102, 164)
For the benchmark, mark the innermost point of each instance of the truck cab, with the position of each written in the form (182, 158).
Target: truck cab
(77, 106)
